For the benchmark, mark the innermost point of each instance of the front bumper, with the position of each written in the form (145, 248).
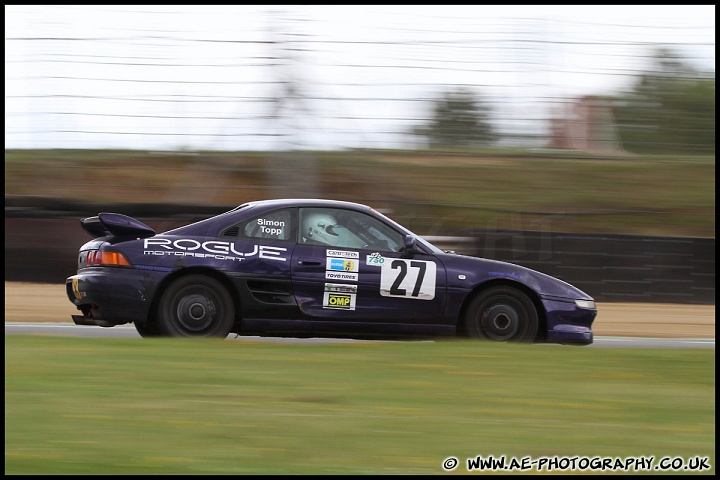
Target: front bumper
(568, 323)
(570, 334)
(112, 296)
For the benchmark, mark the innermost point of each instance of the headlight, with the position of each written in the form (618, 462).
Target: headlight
(589, 304)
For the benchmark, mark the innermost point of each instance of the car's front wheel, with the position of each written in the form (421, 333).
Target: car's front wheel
(196, 306)
(502, 314)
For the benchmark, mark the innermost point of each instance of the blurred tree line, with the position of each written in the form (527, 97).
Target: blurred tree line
(670, 108)
(459, 119)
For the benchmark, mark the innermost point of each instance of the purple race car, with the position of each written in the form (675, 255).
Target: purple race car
(311, 268)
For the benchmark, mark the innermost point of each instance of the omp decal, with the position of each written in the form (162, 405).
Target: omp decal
(350, 277)
(375, 259)
(271, 227)
(188, 247)
(340, 288)
(342, 254)
(340, 301)
(341, 264)
(413, 279)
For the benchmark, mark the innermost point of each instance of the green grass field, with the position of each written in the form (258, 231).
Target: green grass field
(168, 406)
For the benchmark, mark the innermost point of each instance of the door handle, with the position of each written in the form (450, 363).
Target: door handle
(309, 261)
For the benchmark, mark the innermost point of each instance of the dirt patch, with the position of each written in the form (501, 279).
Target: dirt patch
(655, 320)
(41, 302)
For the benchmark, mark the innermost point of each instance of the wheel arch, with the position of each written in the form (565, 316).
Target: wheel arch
(183, 272)
(531, 294)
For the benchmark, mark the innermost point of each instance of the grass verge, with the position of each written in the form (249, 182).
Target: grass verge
(166, 406)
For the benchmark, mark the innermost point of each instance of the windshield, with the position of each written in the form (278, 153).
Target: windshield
(428, 246)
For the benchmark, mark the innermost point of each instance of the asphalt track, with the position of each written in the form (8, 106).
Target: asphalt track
(44, 309)
(128, 331)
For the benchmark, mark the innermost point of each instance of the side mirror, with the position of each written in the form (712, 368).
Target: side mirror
(410, 245)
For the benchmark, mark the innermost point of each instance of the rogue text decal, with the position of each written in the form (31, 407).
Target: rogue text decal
(188, 247)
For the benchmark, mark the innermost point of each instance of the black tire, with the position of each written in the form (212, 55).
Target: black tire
(502, 314)
(148, 330)
(196, 306)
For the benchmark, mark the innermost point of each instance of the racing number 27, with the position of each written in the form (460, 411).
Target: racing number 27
(395, 288)
(408, 278)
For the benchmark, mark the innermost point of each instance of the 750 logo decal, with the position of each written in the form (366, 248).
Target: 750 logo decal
(375, 259)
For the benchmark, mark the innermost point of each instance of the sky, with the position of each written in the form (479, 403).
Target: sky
(205, 76)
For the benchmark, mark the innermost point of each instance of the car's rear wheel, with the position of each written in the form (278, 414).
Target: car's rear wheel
(502, 314)
(196, 306)
(148, 330)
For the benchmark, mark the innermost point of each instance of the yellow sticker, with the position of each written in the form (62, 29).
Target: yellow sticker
(76, 288)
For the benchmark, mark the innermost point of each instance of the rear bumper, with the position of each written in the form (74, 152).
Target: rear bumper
(112, 296)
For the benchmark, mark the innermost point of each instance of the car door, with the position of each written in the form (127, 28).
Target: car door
(351, 266)
(262, 274)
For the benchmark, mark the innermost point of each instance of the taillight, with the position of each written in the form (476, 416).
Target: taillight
(96, 258)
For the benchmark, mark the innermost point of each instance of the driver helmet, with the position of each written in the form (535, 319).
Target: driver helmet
(319, 227)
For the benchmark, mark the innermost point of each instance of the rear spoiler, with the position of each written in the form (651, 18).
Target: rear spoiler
(115, 224)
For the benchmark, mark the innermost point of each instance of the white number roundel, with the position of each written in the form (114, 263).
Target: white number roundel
(413, 279)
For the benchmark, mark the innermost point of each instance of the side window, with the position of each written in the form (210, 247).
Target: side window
(277, 225)
(347, 229)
